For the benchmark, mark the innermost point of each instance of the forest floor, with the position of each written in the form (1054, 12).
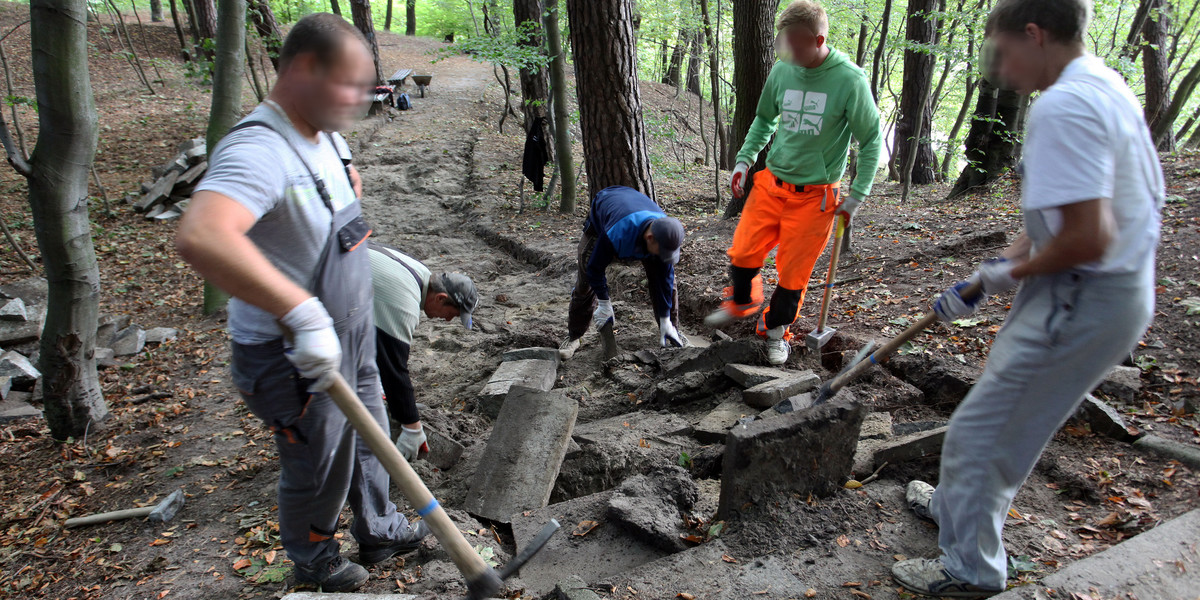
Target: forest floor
(443, 185)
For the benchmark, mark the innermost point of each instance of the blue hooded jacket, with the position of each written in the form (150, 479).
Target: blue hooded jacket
(619, 216)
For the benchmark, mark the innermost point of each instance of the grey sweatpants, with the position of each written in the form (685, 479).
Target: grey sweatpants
(1062, 336)
(322, 461)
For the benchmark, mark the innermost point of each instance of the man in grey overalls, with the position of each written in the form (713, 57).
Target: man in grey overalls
(1091, 195)
(277, 223)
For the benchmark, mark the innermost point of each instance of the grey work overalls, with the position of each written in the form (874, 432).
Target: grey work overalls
(322, 461)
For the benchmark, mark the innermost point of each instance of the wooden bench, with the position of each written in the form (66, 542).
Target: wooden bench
(397, 78)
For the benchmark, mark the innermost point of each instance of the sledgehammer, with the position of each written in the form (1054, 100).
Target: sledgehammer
(159, 513)
(821, 335)
(482, 580)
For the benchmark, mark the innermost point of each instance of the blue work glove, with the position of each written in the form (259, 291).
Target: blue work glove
(951, 306)
(603, 314)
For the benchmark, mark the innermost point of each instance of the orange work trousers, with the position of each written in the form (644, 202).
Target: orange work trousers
(797, 219)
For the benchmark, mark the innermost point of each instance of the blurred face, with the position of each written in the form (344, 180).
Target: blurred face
(805, 46)
(1017, 60)
(438, 306)
(651, 244)
(334, 96)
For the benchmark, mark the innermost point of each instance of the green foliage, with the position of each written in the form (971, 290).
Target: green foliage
(508, 48)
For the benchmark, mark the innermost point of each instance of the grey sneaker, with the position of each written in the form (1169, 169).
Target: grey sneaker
(929, 577)
(409, 541)
(778, 346)
(919, 496)
(567, 349)
(338, 575)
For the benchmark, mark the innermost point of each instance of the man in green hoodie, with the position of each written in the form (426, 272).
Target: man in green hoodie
(813, 102)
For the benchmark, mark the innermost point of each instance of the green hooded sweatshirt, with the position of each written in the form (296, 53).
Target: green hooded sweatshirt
(813, 113)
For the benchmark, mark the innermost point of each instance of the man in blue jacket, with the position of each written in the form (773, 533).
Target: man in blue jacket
(625, 225)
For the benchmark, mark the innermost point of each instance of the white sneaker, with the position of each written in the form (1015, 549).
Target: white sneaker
(929, 577)
(778, 348)
(919, 496)
(567, 349)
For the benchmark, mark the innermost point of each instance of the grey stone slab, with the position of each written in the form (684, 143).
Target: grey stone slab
(108, 326)
(105, 359)
(876, 426)
(159, 335)
(531, 373)
(13, 333)
(345, 596)
(33, 290)
(714, 427)
(574, 588)
(749, 376)
(5, 386)
(1104, 419)
(128, 341)
(15, 365)
(614, 449)
(652, 506)
(690, 386)
(1122, 383)
(605, 551)
(631, 427)
(16, 407)
(909, 447)
(714, 571)
(1184, 453)
(1159, 563)
(14, 310)
(537, 353)
(523, 454)
(807, 451)
(712, 358)
(792, 404)
(770, 393)
(444, 451)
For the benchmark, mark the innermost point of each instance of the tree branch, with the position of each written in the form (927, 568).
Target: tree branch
(14, 154)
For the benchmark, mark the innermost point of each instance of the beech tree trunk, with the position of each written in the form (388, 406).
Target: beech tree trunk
(721, 155)
(610, 105)
(410, 17)
(1157, 80)
(268, 29)
(991, 140)
(915, 119)
(387, 20)
(671, 77)
(156, 14)
(694, 63)
(206, 25)
(563, 152)
(753, 57)
(360, 10)
(57, 175)
(534, 89)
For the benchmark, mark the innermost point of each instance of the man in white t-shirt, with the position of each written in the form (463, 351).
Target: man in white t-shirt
(1092, 193)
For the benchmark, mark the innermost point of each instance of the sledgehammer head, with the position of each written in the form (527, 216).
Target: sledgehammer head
(818, 338)
(166, 510)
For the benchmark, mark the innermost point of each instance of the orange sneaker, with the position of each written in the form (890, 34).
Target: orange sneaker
(729, 312)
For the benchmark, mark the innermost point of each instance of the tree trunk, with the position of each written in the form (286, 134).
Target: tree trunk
(610, 104)
(534, 89)
(337, 9)
(694, 63)
(915, 117)
(1183, 93)
(189, 6)
(183, 49)
(1154, 66)
(721, 154)
(361, 11)
(563, 153)
(156, 15)
(991, 139)
(58, 191)
(268, 29)
(206, 25)
(753, 57)
(410, 17)
(877, 64)
(387, 20)
(671, 77)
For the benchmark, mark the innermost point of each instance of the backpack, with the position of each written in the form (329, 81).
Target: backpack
(402, 102)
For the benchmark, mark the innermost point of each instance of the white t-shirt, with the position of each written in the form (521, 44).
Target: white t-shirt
(1087, 139)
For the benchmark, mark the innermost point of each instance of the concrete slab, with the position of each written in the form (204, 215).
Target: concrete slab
(160, 335)
(749, 376)
(15, 365)
(876, 426)
(531, 373)
(694, 385)
(1170, 449)
(631, 428)
(770, 393)
(605, 551)
(16, 406)
(13, 333)
(714, 427)
(808, 451)
(534, 353)
(1159, 563)
(444, 451)
(129, 341)
(713, 571)
(13, 310)
(1122, 383)
(523, 454)
(1104, 419)
(909, 447)
(652, 506)
(614, 449)
(712, 358)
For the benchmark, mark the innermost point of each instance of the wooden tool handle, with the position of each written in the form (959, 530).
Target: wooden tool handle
(116, 515)
(835, 253)
(886, 351)
(468, 562)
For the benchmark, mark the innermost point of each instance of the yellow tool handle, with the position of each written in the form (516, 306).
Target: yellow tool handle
(835, 253)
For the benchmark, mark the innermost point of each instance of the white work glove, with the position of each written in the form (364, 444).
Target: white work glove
(412, 442)
(314, 348)
(951, 306)
(668, 336)
(738, 182)
(848, 207)
(603, 313)
(996, 275)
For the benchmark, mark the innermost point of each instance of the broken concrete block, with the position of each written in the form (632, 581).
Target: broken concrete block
(712, 358)
(944, 381)
(714, 427)
(5, 386)
(33, 290)
(749, 376)
(876, 426)
(652, 506)
(690, 386)
(444, 451)
(523, 455)
(916, 426)
(631, 427)
(1184, 453)
(574, 588)
(105, 359)
(1104, 419)
(807, 451)
(15, 365)
(130, 340)
(13, 333)
(535, 353)
(792, 404)
(14, 310)
(107, 328)
(614, 449)
(159, 335)
(530, 373)
(16, 406)
(589, 546)
(910, 447)
(1122, 383)
(770, 393)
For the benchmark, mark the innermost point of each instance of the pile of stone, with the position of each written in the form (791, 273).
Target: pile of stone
(166, 195)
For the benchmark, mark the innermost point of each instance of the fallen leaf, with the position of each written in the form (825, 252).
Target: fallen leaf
(160, 542)
(269, 556)
(860, 594)
(729, 559)
(852, 584)
(853, 484)
(685, 596)
(241, 564)
(843, 541)
(810, 593)
(584, 528)
(164, 593)
(691, 539)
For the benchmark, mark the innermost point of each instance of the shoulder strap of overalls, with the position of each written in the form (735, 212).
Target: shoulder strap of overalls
(317, 181)
(387, 250)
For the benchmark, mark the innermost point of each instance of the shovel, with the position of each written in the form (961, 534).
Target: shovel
(820, 336)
